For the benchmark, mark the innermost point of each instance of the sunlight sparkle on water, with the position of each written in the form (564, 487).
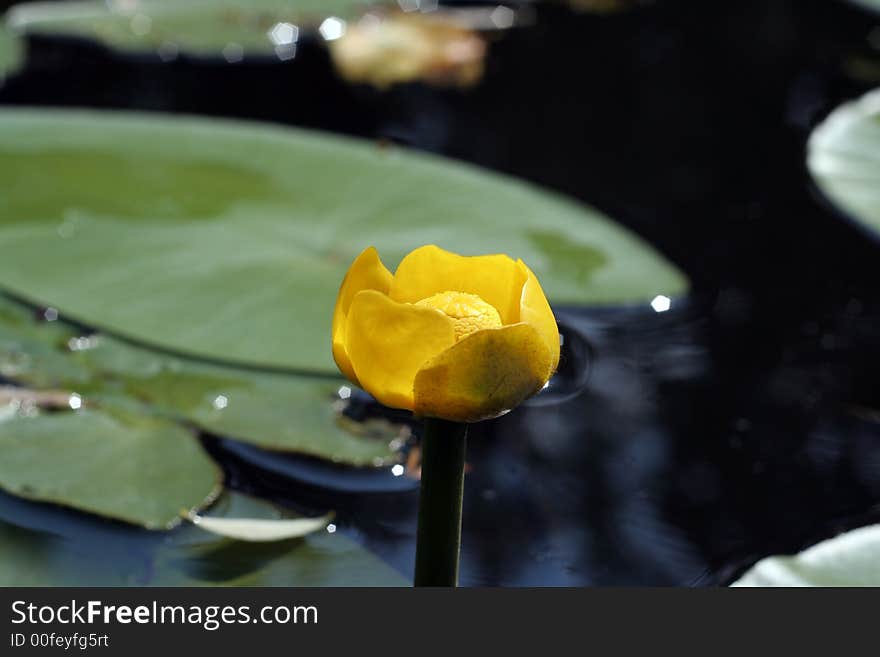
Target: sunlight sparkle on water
(332, 28)
(661, 303)
(81, 343)
(502, 17)
(283, 33)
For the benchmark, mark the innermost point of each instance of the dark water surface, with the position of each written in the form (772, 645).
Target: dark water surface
(741, 422)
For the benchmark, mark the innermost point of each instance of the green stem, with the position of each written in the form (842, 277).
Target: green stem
(438, 544)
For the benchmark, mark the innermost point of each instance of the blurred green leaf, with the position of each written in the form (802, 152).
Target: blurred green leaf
(11, 55)
(202, 27)
(229, 240)
(851, 559)
(844, 158)
(130, 467)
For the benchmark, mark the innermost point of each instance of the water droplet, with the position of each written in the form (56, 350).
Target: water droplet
(82, 343)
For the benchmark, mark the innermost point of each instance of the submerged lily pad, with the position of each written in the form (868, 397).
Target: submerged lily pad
(203, 27)
(228, 240)
(844, 158)
(851, 559)
(48, 546)
(135, 468)
(275, 411)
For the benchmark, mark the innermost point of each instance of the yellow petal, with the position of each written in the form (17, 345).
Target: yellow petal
(535, 311)
(429, 269)
(388, 342)
(483, 375)
(366, 273)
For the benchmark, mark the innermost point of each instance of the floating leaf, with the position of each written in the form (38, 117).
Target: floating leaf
(228, 240)
(42, 545)
(201, 27)
(851, 559)
(274, 411)
(130, 467)
(844, 158)
(260, 530)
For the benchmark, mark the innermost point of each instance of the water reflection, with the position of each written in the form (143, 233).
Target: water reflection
(574, 368)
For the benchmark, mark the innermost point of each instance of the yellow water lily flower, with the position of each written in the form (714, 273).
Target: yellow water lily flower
(462, 338)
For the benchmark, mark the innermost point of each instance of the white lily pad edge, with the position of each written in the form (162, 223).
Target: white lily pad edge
(849, 559)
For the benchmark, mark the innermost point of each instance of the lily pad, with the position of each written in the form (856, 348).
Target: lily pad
(138, 469)
(228, 240)
(10, 53)
(47, 546)
(851, 559)
(275, 411)
(203, 27)
(844, 158)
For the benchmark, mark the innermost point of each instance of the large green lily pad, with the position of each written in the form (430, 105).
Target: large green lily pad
(229, 239)
(275, 411)
(44, 546)
(203, 27)
(851, 559)
(844, 158)
(125, 466)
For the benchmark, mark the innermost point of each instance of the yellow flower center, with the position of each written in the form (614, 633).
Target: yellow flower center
(468, 312)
